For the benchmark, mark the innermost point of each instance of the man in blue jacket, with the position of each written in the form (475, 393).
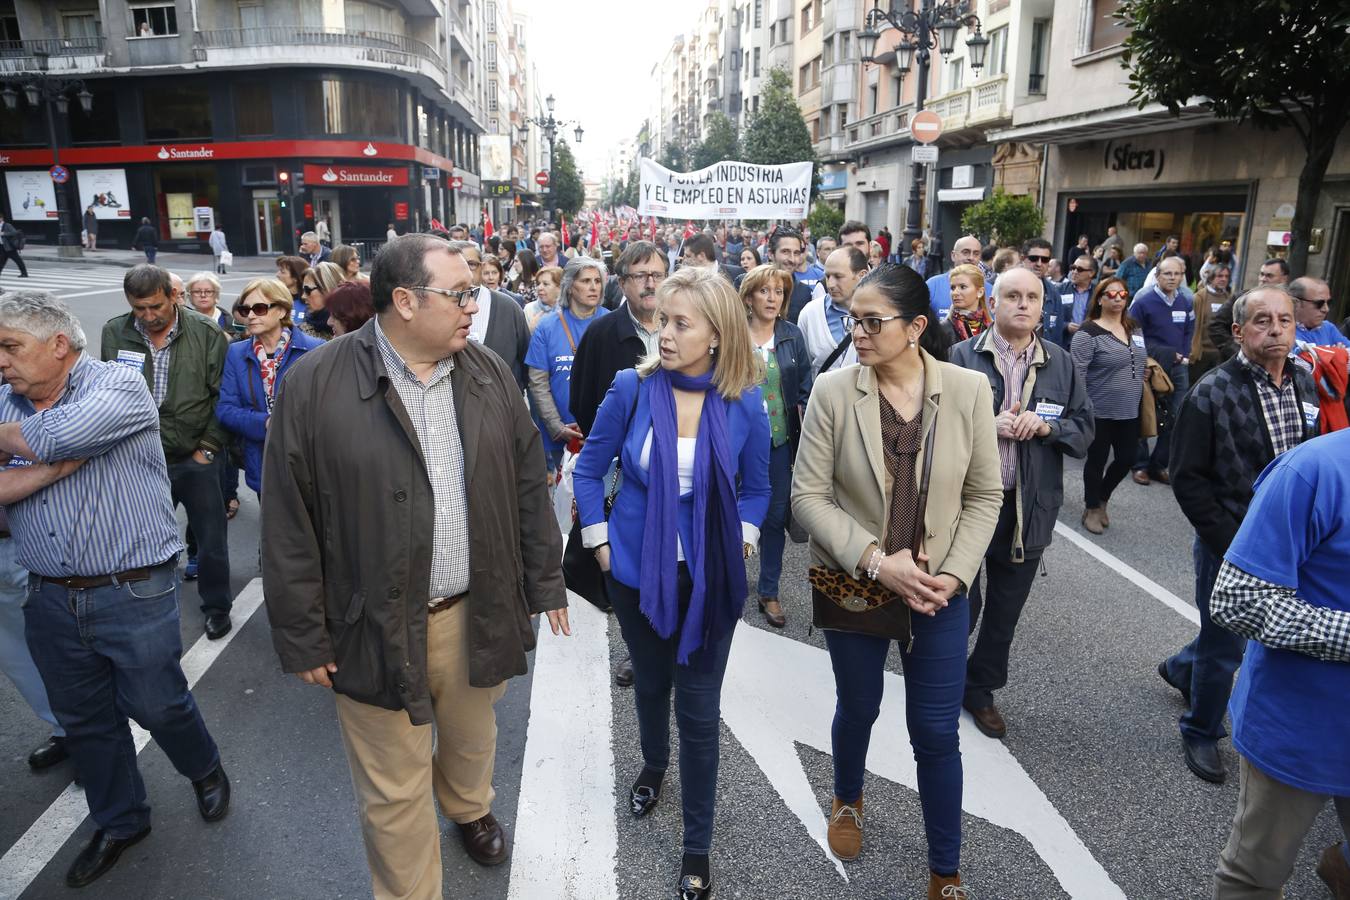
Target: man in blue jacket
(1167, 318)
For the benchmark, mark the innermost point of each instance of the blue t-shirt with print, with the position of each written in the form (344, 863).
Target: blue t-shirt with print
(1326, 335)
(551, 352)
(1291, 712)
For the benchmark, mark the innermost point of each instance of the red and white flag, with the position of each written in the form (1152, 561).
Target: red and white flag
(487, 223)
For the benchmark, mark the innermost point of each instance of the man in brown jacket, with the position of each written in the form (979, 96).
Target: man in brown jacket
(408, 539)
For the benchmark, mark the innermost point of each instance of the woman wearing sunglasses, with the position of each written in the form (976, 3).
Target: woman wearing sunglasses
(255, 366)
(1108, 352)
(878, 438)
(318, 283)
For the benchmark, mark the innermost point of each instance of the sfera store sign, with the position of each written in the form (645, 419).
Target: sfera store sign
(339, 175)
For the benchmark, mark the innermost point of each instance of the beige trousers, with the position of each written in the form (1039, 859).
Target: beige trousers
(396, 766)
(1271, 822)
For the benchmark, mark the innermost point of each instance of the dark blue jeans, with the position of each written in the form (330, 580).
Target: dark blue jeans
(197, 487)
(107, 654)
(150, 253)
(1209, 662)
(935, 678)
(773, 535)
(698, 706)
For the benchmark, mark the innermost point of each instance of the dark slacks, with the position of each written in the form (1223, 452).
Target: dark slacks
(934, 677)
(106, 655)
(197, 487)
(773, 534)
(1007, 586)
(1118, 439)
(7, 255)
(698, 705)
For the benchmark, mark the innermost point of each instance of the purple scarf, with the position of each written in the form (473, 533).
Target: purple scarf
(715, 559)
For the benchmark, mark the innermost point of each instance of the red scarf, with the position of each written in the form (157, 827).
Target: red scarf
(969, 326)
(270, 364)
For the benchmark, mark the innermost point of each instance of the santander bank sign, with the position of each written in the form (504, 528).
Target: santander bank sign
(338, 175)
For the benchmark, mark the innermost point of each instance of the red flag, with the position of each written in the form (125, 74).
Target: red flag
(595, 233)
(566, 241)
(487, 227)
(689, 230)
(653, 228)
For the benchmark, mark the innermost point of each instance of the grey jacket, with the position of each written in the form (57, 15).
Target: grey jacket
(1051, 379)
(508, 335)
(347, 531)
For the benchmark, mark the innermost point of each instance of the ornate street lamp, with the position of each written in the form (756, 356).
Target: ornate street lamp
(550, 127)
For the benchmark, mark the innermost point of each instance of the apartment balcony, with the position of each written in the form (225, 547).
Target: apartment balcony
(981, 104)
(293, 45)
(839, 84)
(846, 16)
(458, 30)
(879, 130)
(63, 55)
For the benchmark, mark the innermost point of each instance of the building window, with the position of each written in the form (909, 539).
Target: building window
(1040, 44)
(491, 17)
(177, 112)
(806, 19)
(80, 25)
(492, 57)
(843, 45)
(9, 26)
(251, 14)
(843, 116)
(827, 52)
(897, 88)
(253, 108)
(352, 107)
(803, 78)
(872, 100)
(815, 130)
(1104, 29)
(956, 73)
(756, 65)
(100, 125)
(492, 96)
(154, 21)
(759, 13)
(362, 15)
(998, 52)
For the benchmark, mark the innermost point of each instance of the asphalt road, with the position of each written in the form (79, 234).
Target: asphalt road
(1091, 728)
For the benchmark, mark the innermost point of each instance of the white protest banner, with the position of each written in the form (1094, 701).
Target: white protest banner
(726, 190)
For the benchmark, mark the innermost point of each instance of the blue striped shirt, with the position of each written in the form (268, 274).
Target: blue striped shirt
(113, 513)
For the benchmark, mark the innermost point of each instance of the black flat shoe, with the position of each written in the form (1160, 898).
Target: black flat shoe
(213, 794)
(98, 856)
(1204, 761)
(49, 754)
(642, 799)
(217, 626)
(693, 887)
(623, 675)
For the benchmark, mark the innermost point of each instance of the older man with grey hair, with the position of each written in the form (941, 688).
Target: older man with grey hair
(499, 323)
(101, 542)
(312, 251)
(553, 347)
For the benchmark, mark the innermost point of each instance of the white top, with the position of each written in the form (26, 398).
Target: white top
(820, 342)
(478, 326)
(684, 468)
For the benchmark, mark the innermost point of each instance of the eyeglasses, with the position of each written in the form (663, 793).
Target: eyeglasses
(474, 265)
(653, 277)
(309, 289)
(203, 292)
(257, 309)
(1320, 304)
(870, 324)
(1038, 259)
(1115, 295)
(1081, 268)
(461, 298)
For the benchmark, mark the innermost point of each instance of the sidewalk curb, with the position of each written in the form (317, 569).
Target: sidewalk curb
(29, 256)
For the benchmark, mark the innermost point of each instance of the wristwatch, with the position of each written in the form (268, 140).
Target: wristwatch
(209, 454)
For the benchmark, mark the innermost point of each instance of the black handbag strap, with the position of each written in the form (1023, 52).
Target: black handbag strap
(836, 353)
(917, 541)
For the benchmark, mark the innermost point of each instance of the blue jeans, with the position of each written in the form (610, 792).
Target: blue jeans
(935, 678)
(107, 654)
(773, 535)
(1156, 461)
(698, 706)
(15, 660)
(150, 254)
(197, 487)
(1209, 662)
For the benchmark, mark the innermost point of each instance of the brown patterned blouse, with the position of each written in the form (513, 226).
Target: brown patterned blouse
(900, 442)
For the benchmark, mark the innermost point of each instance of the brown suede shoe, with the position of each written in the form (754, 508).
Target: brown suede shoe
(485, 841)
(940, 888)
(990, 721)
(1106, 515)
(845, 831)
(1092, 520)
(1335, 872)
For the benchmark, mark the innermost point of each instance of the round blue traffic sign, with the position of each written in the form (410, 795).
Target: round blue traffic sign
(60, 174)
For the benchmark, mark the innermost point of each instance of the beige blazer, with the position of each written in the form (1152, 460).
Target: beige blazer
(841, 487)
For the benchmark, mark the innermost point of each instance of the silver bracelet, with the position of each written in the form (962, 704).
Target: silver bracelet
(874, 564)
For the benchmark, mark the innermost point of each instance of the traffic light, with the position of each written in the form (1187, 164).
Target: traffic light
(284, 188)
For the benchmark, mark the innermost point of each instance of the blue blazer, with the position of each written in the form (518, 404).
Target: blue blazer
(613, 435)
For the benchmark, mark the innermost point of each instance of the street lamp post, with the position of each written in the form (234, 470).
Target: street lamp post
(50, 91)
(931, 27)
(549, 126)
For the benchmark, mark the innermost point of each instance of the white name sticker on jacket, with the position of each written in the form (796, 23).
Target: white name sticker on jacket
(1138, 340)
(1179, 316)
(131, 358)
(1310, 412)
(1049, 411)
(1215, 307)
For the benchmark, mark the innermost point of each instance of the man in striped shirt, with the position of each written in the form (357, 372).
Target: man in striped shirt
(101, 543)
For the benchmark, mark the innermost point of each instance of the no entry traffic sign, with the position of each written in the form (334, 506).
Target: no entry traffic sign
(926, 126)
(60, 174)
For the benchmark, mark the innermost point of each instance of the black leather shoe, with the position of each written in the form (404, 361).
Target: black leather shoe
(643, 799)
(484, 841)
(623, 675)
(1204, 761)
(693, 887)
(217, 625)
(98, 856)
(213, 794)
(1183, 689)
(49, 754)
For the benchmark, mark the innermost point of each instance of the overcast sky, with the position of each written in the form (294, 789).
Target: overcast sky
(596, 57)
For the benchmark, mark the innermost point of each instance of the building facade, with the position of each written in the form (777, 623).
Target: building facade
(203, 110)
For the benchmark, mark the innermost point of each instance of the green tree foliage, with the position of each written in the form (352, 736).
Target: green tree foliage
(719, 145)
(777, 134)
(1275, 63)
(674, 158)
(1006, 219)
(568, 193)
(825, 219)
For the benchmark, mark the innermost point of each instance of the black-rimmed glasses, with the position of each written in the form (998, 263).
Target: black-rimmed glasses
(870, 324)
(461, 298)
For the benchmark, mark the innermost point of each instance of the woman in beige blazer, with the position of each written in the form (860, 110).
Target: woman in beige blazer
(855, 491)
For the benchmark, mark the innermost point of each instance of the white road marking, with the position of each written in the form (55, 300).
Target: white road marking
(566, 842)
(24, 861)
(1140, 580)
(800, 708)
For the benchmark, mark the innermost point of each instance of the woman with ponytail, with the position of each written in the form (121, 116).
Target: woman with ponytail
(691, 433)
(897, 482)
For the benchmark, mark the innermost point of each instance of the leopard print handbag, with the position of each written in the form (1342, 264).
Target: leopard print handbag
(840, 602)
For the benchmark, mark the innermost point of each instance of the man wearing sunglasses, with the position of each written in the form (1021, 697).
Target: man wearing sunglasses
(1075, 292)
(408, 537)
(1313, 302)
